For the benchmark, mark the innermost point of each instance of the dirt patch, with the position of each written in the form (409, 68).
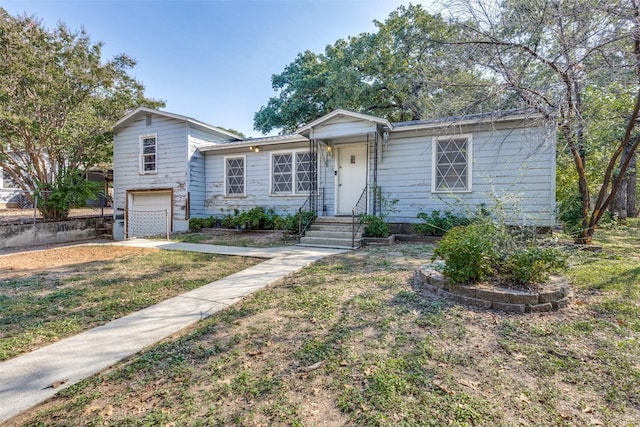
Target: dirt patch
(24, 263)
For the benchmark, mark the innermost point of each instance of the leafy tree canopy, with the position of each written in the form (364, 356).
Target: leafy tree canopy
(59, 100)
(577, 62)
(404, 71)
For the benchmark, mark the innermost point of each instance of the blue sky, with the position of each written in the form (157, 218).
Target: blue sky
(211, 60)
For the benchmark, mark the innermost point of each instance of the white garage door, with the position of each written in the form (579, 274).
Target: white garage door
(149, 214)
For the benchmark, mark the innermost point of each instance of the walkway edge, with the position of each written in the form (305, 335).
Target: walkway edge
(25, 381)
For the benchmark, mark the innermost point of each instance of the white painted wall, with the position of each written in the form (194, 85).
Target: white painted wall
(512, 168)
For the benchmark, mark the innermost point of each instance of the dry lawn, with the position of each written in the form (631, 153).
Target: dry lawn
(352, 340)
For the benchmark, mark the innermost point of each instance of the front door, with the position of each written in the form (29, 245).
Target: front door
(352, 176)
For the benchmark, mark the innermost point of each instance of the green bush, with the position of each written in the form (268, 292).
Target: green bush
(470, 252)
(375, 226)
(257, 218)
(197, 224)
(570, 215)
(69, 190)
(437, 224)
(532, 264)
(291, 223)
(482, 249)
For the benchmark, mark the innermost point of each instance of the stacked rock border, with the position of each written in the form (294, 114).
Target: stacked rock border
(556, 294)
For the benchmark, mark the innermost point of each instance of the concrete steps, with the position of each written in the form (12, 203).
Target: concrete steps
(331, 232)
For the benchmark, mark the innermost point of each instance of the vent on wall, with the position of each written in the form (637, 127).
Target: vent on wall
(148, 119)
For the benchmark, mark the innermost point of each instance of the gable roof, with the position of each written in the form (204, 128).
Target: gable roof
(141, 111)
(343, 113)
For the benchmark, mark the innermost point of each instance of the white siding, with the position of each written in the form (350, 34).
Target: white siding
(343, 127)
(171, 163)
(512, 168)
(257, 181)
(196, 186)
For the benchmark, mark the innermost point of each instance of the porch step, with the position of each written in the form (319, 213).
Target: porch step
(329, 233)
(332, 232)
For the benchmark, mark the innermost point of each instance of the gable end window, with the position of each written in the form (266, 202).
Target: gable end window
(148, 154)
(291, 172)
(234, 176)
(451, 164)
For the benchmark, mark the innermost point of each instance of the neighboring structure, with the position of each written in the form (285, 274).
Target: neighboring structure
(166, 162)
(10, 194)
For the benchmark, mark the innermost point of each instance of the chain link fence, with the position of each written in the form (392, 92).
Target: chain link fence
(17, 207)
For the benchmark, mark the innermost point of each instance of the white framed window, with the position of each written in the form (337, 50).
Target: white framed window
(452, 164)
(6, 180)
(149, 154)
(234, 176)
(291, 172)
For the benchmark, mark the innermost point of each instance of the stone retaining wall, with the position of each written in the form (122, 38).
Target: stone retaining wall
(44, 233)
(554, 295)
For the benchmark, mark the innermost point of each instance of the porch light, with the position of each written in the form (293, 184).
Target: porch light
(329, 152)
(254, 149)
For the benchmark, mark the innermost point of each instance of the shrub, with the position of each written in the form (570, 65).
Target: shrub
(473, 253)
(374, 226)
(197, 224)
(69, 190)
(257, 218)
(290, 223)
(437, 224)
(470, 252)
(570, 215)
(532, 264)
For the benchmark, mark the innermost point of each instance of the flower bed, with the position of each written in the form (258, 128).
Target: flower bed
(554, 295)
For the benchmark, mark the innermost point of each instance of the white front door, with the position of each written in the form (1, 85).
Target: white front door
(351, 177)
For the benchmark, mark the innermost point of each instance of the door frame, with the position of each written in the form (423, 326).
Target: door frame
(339, 149)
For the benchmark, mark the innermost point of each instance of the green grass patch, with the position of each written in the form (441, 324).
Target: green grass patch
(44, 307)
(353, 340)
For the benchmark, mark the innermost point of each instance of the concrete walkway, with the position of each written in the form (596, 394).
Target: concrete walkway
(28, 380)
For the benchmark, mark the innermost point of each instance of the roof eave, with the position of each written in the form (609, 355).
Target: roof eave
(307, 128)
(466, 122)
(145, 110)
(251, 143)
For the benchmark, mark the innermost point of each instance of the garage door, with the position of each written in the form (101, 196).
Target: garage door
(149, 214)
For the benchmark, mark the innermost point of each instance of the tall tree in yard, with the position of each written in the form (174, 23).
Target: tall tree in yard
(403, 71)
(551, 53)
(58, 101)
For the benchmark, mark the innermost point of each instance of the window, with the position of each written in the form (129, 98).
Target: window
(234, 176)
(148, 157)
(282, 178)
(291, 172)
(303, 172)
(7, 180)
(452, 164)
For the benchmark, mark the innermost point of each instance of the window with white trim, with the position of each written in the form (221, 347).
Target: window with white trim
(148, 154)
(234, 176)
(452, 160)
(291, 172)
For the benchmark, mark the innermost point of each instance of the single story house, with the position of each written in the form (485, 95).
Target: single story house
(168, 168)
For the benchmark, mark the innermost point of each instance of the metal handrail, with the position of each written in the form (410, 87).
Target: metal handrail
(303, 226)
(359, 209)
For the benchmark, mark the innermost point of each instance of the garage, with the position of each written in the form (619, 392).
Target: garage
(149, 213)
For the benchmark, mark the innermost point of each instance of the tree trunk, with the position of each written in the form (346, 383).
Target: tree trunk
(618, 207)
(632, 178)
